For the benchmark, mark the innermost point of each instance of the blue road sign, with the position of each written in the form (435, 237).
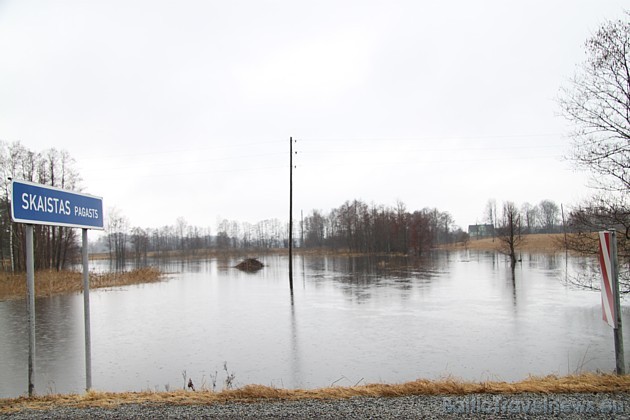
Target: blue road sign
(43, 205)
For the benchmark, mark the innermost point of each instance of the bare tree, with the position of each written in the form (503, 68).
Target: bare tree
(597, 102)
(601, 213)
(140, 243)
(529, 216)
(314, 230)
(420, 232)
(55, 246)
(510, 231)
(117, 234)
(491, 215)
(181, 232)
(223, 238)
(549, 215)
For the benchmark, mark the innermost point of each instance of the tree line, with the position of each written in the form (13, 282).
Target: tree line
(54, 247)
(544, 217)
(358, 227)
(354, 226)
(125, 244)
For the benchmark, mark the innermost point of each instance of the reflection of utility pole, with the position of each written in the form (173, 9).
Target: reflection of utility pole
(564, 229)
(291, 213)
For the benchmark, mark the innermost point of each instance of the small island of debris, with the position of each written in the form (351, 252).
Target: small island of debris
(250, 265)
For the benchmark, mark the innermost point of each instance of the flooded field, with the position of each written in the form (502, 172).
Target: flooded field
(350, 320)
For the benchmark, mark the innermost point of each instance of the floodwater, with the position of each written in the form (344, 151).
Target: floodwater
(349, 321)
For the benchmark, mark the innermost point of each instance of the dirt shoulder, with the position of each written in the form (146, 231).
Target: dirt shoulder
(471, 406)
(576, 385)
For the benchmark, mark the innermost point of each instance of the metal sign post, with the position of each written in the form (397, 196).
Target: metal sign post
(33, 203)
(611, 305)
(86, 311)
(30, 306)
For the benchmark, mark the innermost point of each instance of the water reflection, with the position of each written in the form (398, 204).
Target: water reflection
(296, 362)
(376, 319)
(59, 344)
(360, 277)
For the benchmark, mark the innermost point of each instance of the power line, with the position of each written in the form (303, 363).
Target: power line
(232, 145)
(428, 150)
(173, 174)
(430, 138)
(430, 161)
(136, 164)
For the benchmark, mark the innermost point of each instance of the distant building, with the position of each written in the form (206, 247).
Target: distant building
(480, 231)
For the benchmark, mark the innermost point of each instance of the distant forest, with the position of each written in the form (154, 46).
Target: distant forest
(354, 226)
(55, 247)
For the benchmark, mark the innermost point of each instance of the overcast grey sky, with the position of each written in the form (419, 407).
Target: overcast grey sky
(186, 108)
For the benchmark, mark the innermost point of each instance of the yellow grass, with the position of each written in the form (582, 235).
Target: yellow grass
(540, 242)
(583, 383)
(48, 283)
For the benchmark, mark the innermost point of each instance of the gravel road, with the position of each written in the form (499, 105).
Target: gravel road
(577, 406)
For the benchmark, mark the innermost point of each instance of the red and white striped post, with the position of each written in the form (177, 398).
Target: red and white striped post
(611, 307)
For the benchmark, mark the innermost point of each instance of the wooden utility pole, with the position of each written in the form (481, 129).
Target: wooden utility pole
(291, 213)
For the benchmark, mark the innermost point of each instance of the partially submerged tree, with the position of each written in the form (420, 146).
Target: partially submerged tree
(117, 230)
(510, 232)
(601, 213)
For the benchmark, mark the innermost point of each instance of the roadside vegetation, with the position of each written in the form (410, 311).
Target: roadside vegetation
(50, 282)
(583, 383)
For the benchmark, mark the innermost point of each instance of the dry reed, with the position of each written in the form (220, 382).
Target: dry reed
(48, 283)
(583, 383)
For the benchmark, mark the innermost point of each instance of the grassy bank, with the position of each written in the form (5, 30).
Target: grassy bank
(48, 283)
(540, 242)
(584, 383)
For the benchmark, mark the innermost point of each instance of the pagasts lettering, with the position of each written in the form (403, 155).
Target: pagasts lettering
(86, 212)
